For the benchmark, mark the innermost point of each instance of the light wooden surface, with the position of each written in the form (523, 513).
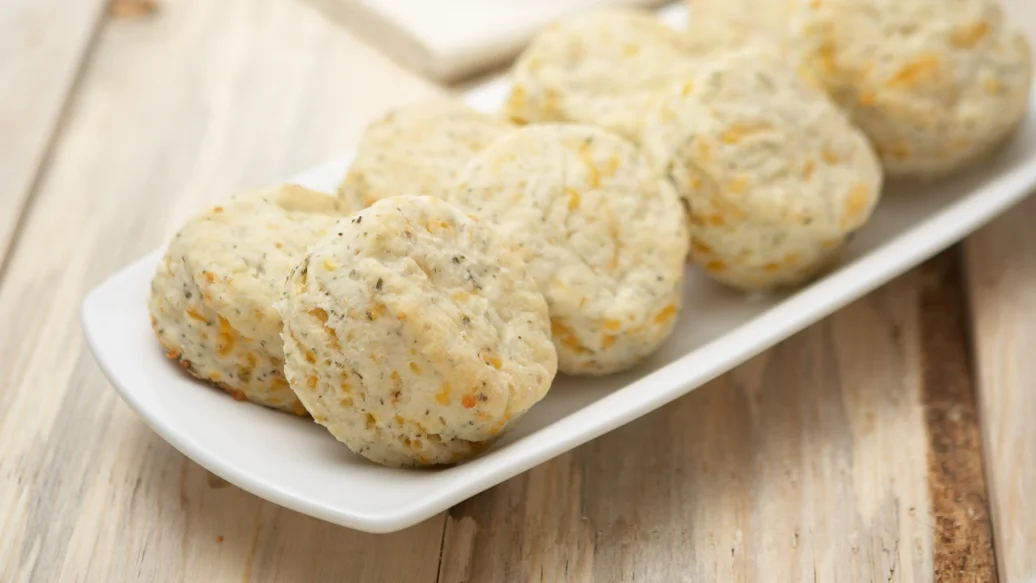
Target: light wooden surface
(1001, 261)
(812, 462)
(168, 116)
(851, 452)
(1001, 278)
(42, 46)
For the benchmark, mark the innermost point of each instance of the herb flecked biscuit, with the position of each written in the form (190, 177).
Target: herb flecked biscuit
(212, 297)
(935, 84)
(417, 149)
(774, 175)
(602, 69)
(414, 334)
(604, 237)
(717, 25)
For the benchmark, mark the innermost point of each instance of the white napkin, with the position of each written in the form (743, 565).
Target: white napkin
(448, 40)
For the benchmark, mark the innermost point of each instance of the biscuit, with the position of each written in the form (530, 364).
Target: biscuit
(212, 296)
(718, 25)
(935, 84)
(417, 149)
(602, 69)
(415, 335)
(773, 173)
(605, 238)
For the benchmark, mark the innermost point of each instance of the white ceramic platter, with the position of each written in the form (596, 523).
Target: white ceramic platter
(297, 464)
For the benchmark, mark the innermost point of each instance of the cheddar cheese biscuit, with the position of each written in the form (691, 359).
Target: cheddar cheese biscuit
(605, 238)
(773, 174)
(602, 68)
(719, 25)
(212, 297)
(415, 335)
(417, 149)
(935, 84)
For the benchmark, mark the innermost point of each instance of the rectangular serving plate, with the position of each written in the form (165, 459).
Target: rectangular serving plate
(297, 464)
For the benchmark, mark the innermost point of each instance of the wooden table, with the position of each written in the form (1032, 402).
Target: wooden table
(894, 441)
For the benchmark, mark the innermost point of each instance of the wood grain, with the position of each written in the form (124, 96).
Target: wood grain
(963, 538)
(42, 44)
(198, 101)
(809, 463)
(1001, 276)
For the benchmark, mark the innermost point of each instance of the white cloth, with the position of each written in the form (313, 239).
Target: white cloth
(448, 40)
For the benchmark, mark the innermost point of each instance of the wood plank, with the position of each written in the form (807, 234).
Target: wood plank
(174, 111)
(43, 43)
(811, 462)
(1001, 275)
(1000, 264)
